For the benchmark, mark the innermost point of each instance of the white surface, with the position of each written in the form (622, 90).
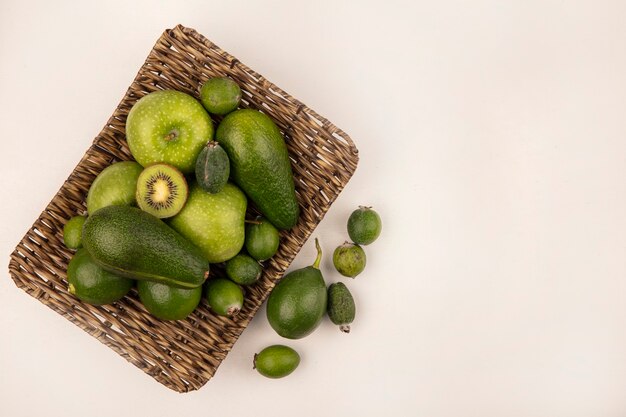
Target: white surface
(492, 142)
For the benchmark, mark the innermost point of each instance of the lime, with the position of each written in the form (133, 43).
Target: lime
(220, 95)
(243, 270)
(166, 302)
(92, 284)
(73, 232)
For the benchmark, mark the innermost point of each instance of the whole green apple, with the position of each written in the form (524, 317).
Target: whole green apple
(168, 126)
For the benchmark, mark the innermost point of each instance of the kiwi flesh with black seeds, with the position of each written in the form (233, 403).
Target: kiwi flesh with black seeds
(161, 190)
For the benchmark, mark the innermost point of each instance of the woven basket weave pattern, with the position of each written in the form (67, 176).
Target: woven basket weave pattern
(183, 355)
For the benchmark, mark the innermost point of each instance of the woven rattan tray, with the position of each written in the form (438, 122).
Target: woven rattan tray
(183, 355)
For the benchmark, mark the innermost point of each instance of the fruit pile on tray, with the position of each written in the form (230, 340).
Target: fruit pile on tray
(160, 221)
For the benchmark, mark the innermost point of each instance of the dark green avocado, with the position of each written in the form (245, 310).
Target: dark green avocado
(260, 165)
(132, 243)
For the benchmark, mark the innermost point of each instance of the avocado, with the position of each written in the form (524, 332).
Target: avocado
(298, 302)
(214, 222)
(92, 284)
(260, 165)
(341, 308)
(132, 243)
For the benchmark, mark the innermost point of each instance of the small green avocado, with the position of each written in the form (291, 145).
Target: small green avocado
(297, 304)
(349, 259)
(92, 284)
(341, 308)
(276, 361)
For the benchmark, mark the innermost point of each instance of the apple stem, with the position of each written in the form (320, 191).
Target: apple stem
(171, 136)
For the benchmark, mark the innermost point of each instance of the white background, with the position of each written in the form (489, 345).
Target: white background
(492, 137)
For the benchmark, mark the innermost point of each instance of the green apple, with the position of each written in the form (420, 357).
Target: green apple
(214, 222)
(115, 185)
(168, 126)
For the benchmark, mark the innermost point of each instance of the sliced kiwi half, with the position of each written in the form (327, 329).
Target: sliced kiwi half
(161, 190)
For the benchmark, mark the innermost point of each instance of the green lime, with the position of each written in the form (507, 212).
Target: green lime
(92, 284)
(73, 232)
(166, 302)
(364, 225)
(243, 270)
(224, 296)
(349, 259)
(262, 239)
(220, 95)
(276, 361)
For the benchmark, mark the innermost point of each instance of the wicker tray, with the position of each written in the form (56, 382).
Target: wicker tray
(183, 355)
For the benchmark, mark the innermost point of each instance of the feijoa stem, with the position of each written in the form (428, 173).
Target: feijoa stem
(316, 264)
(345, 328)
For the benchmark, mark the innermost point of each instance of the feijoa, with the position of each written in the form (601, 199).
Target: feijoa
(262, 239)
(276, 361)
(114, 186)
(166, 302)
(220, 95)
(73, 232)
(224, 296)
(212, 168)
(92, 284)
(364, 225)
(341, 308)
(243, 269)
(349, 259)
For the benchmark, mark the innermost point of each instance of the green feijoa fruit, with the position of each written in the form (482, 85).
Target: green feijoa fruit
(73, 232)
(364, 225)
(297, 304)
(262, 239)
(220, 95)
(224, 296)
(349, 259)
(276, 361)
(243, 269)
(132, 243)
(114, 186)
(168, 126)
(212, 168)
(341, 309)
(92, 284)
(161, 190)
(166, 302)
